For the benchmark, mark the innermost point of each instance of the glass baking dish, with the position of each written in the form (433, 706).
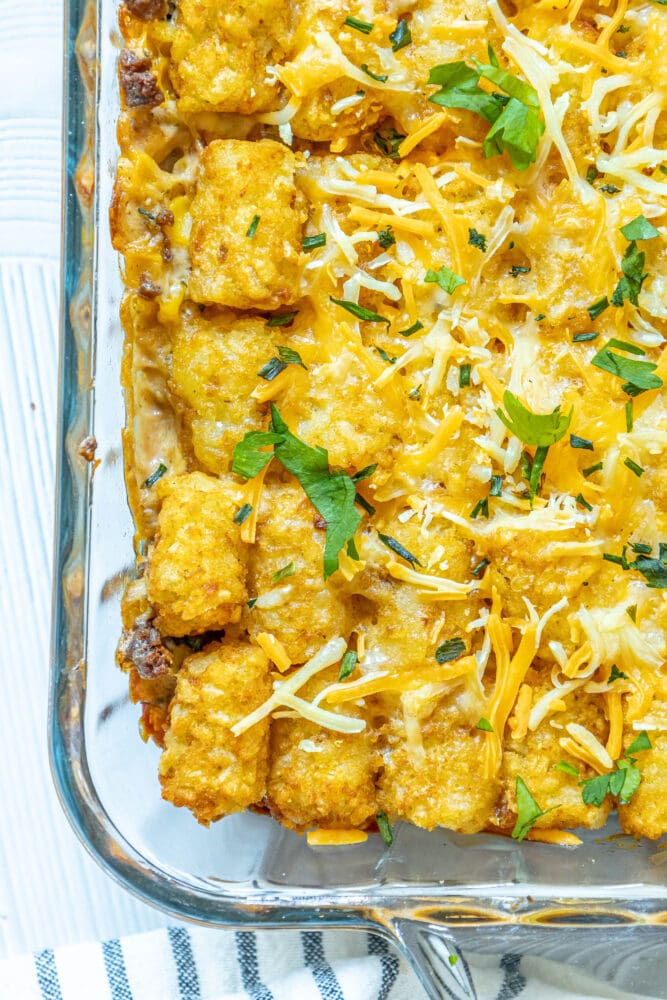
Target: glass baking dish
(432, 893)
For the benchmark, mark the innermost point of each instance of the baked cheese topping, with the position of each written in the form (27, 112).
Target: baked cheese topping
(394, 364)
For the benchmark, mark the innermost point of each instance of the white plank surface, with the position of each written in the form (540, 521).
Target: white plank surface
(51, 893)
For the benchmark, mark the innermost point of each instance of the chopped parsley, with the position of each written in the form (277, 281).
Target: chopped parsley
(591, 469)
(252, 228)
(539, 429)
(623, 782)
(480, 567)
(633, 467)
(283, 573)
(446, 279)
(365, 27)
(313, 242)
(476, 239)
(364, 473)
(359, 312)
(484, 725)
(399, 549)
(384, 828)
(629, 416)
(640, 229)
(609, 188)
(388, 142)
(641, 548)
(452, 959)
(273, 368)
(583, 443)
(464, 376)
(331, 493)
(598, 307)
(400, 36)
(637, 375)
(415, 328)
(154, 476)
(516, 125)
(567, 768)
(481, 509)
(652, 568)
(527, 809)
(592, 173)
(450, 650)
(582, 338)
(630, 285)
(363, 502)
(540, 317)
(251, 603)
(347, 665)
(389, 358)
(380, 77)
(415, 393)
(146, 215)
(496, 486)
(583, 502)
(616, 674)
(282, 319)
(517, 269)
(386, 237)
(242, 514)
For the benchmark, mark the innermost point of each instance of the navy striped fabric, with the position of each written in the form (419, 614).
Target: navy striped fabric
(47, 975)
(246, 949)
(186, 969)
(114, 964)
(323, 974)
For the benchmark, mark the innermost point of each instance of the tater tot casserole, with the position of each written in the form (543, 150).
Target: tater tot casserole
(394, 366)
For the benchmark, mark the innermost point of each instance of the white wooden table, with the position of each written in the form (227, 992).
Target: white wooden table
(51, 893)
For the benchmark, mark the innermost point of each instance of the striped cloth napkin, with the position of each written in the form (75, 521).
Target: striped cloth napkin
(191, 963)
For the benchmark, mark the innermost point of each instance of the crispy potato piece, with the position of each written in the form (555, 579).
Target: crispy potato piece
(214, 370)
(444, 785)
(221, 51)
(646, 813)
(240, 180)
(331, 786)
(205, 767)
(534, 758)
(196, 576)
(307, 611)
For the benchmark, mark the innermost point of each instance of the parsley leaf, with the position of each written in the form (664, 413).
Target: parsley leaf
(528, 811)
(242, 514)
(400, 36)
(313, 242)
(348, 663)
(272, 369)
(359, 312)
(249, 459)
(579, 442)
(446, 279)
(386, 237)
(282, 319)
(476, 239)
(616, 675)
(640, 229)
(283, 572)
(252, 228)
(638, 375)
(365, 27)
(450, 650)
(641, 742)
(384, 828)
(598, 307)
(539, 429)
(516, 126)
(623, 782)
(415, 328)
(290, 357)
(331, 493)
(595, 790)
(566, 768)
(389, 141)
(154, 476)
(484, 725)
(399, 549)
(380, 77)
(630, 285)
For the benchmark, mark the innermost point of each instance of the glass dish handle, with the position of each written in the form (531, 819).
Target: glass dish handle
(435, 957)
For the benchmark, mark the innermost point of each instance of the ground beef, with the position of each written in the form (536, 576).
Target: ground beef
(147, 288)
(138, 83)
(142, 646)
(147, 10)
